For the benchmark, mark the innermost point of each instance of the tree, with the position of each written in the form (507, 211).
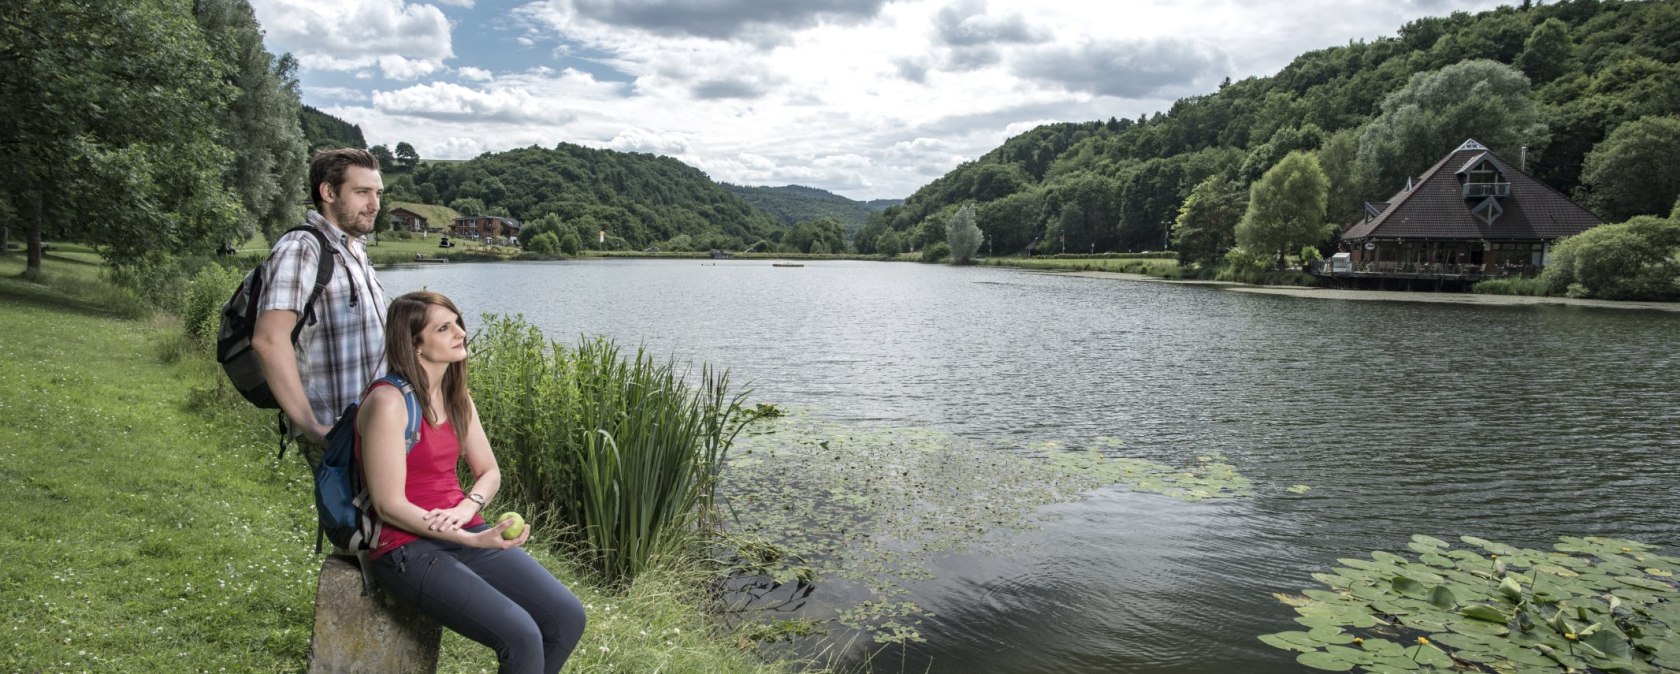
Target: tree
(109, 136)
(546, 243)
(1338, 157)
(260, 125)
(889, 244)
(1286, 208)
(383, 154)
(821, 235)
(1207, 223)
(547, 223)
(1547, 52)
(468, 206)
(1634, 172)
(1436, 111)
(407, 158)
(963, 235)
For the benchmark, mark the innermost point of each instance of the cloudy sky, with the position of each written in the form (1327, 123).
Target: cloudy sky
(866, 98)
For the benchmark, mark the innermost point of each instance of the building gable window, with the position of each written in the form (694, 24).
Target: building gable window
(1488, 211)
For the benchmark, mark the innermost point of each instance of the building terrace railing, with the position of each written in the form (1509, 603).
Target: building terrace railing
(1479, 190)
(1421, 270)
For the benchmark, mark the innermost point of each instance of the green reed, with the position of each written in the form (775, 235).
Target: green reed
(622, 450)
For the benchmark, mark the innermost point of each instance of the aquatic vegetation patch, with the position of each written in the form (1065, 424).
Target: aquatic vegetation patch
(1209, 477)
(810, 500)
(1590, 604)
(814, 499)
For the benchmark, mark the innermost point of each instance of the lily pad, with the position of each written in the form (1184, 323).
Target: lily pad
(1330, 635)
(1442, 597)
(1324, 661)
(1453, 597)
(1388, 557)
(1275, 641)
(1646, 583)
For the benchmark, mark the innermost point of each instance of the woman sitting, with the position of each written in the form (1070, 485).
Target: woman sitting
(435, 551)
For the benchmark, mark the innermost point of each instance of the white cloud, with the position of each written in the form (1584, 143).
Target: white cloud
(335, 93)
(453, 102)
(399, 68)
(635, 139)
(873, 98)
(353, 30)
(466, 4)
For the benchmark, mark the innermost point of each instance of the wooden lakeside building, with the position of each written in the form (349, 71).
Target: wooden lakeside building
(1471, 216)
(484, 227)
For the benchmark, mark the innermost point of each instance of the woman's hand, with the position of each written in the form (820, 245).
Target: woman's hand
(492, 537)
(450, 519)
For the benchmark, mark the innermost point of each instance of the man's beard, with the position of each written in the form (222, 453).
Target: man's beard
(350, 221)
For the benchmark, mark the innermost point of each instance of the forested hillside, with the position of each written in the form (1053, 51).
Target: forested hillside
(638, 199)
(1576, 83)
(793, 204)
(322, 130)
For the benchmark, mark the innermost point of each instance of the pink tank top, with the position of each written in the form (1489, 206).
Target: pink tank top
(431, 482)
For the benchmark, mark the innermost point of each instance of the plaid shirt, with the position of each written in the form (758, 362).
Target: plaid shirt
(344, 349)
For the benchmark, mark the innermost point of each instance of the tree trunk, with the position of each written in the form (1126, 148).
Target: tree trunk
(32, 269)
(5, 238)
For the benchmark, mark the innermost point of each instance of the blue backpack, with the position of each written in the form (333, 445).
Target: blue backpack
(342, 501)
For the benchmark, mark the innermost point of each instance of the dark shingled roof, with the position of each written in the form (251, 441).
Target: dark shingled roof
(1435, 207)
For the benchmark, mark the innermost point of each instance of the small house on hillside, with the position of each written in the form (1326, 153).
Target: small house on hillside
(1471, 216)
(408, 220)
(481, 227)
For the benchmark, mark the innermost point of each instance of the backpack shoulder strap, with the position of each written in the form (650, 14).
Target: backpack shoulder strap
(412, 433)
(323, 276)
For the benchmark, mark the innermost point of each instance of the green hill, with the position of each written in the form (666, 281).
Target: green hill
(793, 204)
(1116, 185)
(321, 130)
(435, 215)
(639, 199)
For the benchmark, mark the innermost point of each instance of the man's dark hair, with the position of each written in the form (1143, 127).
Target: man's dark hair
(328, 166)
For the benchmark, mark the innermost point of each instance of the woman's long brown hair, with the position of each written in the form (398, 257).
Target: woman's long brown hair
(404, 323)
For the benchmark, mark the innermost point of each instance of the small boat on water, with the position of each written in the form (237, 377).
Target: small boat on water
(786, 264)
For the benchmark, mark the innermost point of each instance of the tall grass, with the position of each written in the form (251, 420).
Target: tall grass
(622, 450)
(1511, 286)
(1130, 264)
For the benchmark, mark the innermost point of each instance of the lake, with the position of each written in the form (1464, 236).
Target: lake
(1515, 424)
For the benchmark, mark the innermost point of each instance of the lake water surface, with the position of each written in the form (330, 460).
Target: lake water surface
(1515, 424)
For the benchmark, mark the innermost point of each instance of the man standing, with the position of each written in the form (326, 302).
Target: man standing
(342, 344)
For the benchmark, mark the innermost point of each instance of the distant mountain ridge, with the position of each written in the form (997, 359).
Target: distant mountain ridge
(793, 204)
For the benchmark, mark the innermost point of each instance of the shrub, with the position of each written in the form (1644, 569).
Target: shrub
(1634, 260)
(201, 308)
(160, 280)
(625, 451)
(570, 244)
(936, 252)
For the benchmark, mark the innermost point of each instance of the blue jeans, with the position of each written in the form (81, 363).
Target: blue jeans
(500, 598)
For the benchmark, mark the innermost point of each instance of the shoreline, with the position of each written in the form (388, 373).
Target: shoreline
(1388, 295)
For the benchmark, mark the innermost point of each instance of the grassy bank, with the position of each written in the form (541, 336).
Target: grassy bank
(1164, 268)
(148, 527)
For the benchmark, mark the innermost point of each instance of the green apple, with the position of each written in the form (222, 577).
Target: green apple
(514, 530)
